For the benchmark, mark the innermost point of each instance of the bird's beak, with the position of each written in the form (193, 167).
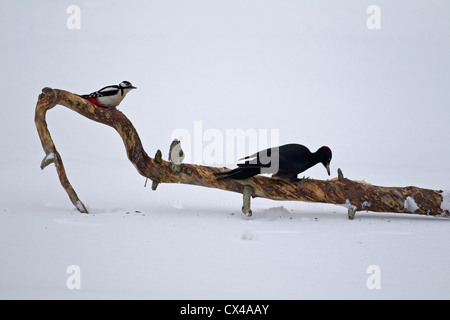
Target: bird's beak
(133, 87)
(328, 168)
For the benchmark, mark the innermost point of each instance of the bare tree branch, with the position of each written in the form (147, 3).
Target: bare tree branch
(356, 196)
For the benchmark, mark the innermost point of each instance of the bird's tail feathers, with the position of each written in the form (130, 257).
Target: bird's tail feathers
(253, 165)
(248, 157)
(238, 173)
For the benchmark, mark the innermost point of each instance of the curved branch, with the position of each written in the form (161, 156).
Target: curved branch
(355, 195)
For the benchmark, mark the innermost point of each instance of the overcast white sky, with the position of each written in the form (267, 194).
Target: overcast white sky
(310, 69)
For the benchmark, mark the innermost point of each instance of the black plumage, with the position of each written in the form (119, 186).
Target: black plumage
(285, 162)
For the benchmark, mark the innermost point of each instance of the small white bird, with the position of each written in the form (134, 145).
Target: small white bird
(110, 96)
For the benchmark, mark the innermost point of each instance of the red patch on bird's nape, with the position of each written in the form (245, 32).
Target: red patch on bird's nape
(95, 101)
(331, 153)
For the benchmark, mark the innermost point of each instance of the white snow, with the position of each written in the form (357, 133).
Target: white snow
(348, 205)
(248, 235)
(292, 66)
(366, 204)
(79, 206)
(49, 157)
(445, 200)
(410, 204)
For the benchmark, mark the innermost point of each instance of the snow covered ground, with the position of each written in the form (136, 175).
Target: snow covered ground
(311, 70)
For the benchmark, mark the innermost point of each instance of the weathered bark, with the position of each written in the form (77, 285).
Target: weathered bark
(357, 196)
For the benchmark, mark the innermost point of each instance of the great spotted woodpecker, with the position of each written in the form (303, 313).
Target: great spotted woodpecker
(110, 96)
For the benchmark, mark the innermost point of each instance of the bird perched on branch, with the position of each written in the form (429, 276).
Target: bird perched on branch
(110, 96)
(285, 162)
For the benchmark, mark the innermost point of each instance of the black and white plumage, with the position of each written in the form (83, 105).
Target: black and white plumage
(285, 162)
(110, 96)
